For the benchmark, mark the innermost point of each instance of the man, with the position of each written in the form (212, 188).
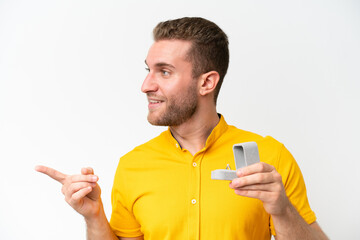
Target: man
(163, 189)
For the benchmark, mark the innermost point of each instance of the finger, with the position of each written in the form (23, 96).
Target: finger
(87, 171)
(261, 195)
(54, 174)
(79, 195)
(254, 168)
(83, 178)
(269, 187)
(74, 187)
(256, 178)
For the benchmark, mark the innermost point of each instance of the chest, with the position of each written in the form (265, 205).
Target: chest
(179, 198)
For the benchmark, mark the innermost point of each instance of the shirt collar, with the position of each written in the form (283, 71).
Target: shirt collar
(215, 134)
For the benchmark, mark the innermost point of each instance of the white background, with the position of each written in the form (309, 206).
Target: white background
(70, 77)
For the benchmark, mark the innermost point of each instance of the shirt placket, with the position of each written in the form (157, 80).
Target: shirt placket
(194, 196)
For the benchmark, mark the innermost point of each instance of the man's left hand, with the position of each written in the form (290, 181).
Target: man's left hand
(263, 182)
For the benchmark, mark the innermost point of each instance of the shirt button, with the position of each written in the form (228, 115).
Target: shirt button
(194, 164)
(193, 201)
(177, 145)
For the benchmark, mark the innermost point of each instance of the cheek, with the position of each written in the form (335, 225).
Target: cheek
(177, 86)
(170, 90)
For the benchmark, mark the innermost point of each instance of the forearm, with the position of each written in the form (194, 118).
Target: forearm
(98, 227)
(290, 225)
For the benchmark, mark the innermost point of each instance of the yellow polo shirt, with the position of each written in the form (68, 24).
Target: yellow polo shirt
(161, 191)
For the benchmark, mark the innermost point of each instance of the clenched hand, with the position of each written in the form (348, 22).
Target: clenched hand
(263, 182)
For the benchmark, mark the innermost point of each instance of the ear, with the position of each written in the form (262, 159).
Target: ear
(208, 82)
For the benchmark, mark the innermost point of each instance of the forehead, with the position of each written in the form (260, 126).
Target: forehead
(168, 51)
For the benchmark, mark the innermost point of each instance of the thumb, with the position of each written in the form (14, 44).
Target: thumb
(87, 171)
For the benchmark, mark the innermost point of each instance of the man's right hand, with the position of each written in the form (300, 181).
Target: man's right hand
(81, 191)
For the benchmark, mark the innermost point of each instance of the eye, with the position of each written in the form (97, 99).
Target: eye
(147, 69)
(165, 73)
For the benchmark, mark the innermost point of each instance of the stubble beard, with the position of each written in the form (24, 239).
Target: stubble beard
(179, 109)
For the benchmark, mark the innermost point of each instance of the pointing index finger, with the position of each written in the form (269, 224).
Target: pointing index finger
(54, 174)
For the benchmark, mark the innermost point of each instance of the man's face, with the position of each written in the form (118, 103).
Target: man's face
(169, 86)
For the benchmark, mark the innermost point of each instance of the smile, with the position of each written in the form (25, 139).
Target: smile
(154, 101)
(154, 104)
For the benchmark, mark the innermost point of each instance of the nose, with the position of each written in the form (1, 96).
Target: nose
(149, 84)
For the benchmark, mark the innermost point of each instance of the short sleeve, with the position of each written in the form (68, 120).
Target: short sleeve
(123, 221)
(294, 186)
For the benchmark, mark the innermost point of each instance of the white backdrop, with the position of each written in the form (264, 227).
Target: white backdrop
(70, 77)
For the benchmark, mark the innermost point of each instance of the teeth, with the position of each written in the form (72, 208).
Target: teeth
(153, 101)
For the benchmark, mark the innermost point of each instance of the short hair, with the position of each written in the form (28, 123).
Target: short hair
(210, 45)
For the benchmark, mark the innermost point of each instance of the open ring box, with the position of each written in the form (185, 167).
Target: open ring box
(245, 154)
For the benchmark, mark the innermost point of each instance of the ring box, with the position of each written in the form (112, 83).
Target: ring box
(245, 154)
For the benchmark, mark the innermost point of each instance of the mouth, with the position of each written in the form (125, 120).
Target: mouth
(154, 103)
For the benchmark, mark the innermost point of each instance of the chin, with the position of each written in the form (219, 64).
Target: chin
(154, 121)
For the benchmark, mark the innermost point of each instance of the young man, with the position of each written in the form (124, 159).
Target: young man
(163, 188)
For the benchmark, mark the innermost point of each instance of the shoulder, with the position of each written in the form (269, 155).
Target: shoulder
(150, 148)
(233, 131)
(247, 136)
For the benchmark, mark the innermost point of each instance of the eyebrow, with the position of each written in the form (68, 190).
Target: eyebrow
(162, 64)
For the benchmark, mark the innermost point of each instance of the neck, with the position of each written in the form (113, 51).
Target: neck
(193, 133)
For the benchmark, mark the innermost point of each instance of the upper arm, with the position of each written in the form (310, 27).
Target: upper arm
(122, 220)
